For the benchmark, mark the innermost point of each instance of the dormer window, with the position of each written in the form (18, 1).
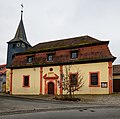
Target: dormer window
(50, 57)
(74, 54)
(29, 59)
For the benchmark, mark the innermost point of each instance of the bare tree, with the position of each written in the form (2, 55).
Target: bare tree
(71, 82)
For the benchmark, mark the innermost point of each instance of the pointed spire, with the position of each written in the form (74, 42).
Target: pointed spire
(20, 33)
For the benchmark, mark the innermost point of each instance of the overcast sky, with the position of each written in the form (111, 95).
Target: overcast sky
(47, 20)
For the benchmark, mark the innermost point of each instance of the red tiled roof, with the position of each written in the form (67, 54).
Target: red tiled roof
(90, 50)
(2, 69)
(64, 43)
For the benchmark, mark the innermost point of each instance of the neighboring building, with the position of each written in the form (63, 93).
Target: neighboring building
(2, 77)
(38, 69)
(18, 44)
(116, 78)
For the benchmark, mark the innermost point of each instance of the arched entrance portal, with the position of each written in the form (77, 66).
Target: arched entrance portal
(51, 88)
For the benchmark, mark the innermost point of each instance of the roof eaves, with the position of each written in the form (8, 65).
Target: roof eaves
(82, 61)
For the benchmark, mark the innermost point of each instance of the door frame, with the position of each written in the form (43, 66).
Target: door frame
(53, 88)
(46, 85)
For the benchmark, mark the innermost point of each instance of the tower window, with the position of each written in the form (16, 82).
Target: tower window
(14, 45)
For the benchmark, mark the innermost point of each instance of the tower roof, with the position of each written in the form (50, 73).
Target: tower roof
(20, 33)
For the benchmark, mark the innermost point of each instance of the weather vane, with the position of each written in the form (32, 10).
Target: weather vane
(22, 7)
(21, 10)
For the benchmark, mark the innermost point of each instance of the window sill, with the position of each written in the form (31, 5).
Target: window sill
(26, 86)
(73, 58)
(29, 62)
(50, 61)
(94, 85)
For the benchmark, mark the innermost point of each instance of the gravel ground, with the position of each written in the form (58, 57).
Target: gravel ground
(113, 99)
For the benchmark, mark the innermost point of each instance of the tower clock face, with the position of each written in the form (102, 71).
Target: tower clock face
(18, 44)
(23, 45)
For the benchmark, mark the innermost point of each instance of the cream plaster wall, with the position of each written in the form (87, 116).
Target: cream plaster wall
(93, 67)
(34, 73)
(17, 81)
(7, 80)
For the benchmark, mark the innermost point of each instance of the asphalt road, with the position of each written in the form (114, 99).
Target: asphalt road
(69, 114)
(24, 108)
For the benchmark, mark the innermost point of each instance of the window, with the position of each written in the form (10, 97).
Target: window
(94, 79)
(14, 45)
(74, 54)
(73, 79)
(50, 57)
(26, 81)
(29, 59)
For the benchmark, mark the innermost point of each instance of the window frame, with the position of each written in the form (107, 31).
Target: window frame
(51, 59)
(74, 52)
(70, 78)
(90, 80)
(29, 59)
(24, 80)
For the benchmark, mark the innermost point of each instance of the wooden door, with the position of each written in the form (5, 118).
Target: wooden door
(116, 85)
(51, 88)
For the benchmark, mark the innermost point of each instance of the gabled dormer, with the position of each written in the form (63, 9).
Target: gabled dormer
(19, 43)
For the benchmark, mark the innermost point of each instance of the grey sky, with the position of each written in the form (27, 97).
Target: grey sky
(46, 20)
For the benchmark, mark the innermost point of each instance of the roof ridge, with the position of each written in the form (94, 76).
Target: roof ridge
(65, 39)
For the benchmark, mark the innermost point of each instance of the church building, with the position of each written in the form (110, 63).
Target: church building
(39, 69)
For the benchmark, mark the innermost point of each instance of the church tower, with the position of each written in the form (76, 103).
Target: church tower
(19, 43)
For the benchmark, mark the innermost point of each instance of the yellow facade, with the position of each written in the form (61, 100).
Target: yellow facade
(47, 76)
(17, 81)
(93, 67)
(7, 80)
